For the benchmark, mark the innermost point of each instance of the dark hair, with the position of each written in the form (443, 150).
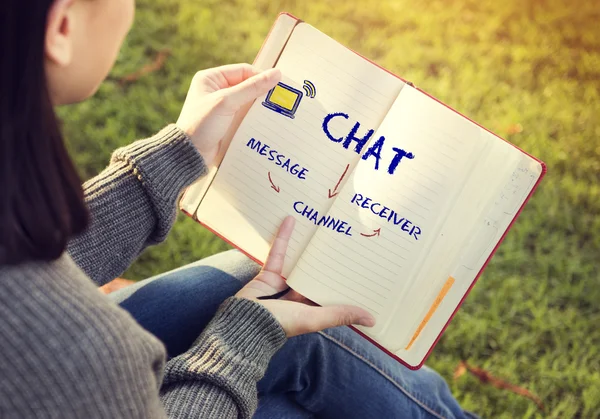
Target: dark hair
(41, 198)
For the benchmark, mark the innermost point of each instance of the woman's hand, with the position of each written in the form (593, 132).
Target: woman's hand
(296, 314)
(215, 96)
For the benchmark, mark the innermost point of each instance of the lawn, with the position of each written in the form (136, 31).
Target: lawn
(528, 70)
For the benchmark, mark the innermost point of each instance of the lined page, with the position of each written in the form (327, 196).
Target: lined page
(513, 175)
(375, 266)
(462, 222)
(253, 191)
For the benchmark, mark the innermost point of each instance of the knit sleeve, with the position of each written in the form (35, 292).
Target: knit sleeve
(68, 352)
(217, 377)
(132, 202)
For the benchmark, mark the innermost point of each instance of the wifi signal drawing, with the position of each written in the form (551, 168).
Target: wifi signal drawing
(309, 89)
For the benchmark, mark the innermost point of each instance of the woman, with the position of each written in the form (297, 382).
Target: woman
(69, 352)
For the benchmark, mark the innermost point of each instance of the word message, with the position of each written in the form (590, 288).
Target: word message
(279, 159)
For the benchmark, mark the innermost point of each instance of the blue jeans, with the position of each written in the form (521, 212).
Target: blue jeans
(331, 374)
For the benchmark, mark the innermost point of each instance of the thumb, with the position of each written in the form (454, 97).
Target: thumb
(251, 88)
(341, 315)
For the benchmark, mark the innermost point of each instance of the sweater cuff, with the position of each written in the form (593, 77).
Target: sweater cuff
(164, 164)
(230, 356)
(249, 329)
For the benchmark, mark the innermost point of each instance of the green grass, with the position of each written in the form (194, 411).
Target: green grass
(533, 317)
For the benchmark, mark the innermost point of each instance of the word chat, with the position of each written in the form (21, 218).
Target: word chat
(373, 152)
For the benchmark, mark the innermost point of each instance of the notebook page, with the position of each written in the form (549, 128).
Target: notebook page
(281, 160)
(462, 223)
(519, 176)
(395, 217)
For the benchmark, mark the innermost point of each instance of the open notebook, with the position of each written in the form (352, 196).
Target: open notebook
(399, 200)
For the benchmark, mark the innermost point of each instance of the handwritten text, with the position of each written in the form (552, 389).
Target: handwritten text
(278, 158)
(389, 214)
(327, 221)
(374, 151)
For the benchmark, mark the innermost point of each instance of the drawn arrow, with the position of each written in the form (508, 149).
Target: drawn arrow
(335, 191)
(275, 188)
(375, 233)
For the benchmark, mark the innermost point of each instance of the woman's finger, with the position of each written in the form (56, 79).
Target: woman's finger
(319, 318)
(276, 258)
(228, 75)
(237, 73)
(249, 89)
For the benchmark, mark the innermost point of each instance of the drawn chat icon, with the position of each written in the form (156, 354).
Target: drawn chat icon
(283, 99)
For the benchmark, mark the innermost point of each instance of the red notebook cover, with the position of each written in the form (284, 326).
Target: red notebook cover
(517, 213)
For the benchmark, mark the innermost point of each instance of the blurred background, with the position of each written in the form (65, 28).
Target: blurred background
(529, 70)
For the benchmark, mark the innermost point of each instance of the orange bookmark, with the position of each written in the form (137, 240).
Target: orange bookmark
(432, 310)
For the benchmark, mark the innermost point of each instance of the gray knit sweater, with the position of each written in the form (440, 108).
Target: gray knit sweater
(66, 351)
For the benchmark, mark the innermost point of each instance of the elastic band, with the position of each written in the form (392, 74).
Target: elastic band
(275, 296)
